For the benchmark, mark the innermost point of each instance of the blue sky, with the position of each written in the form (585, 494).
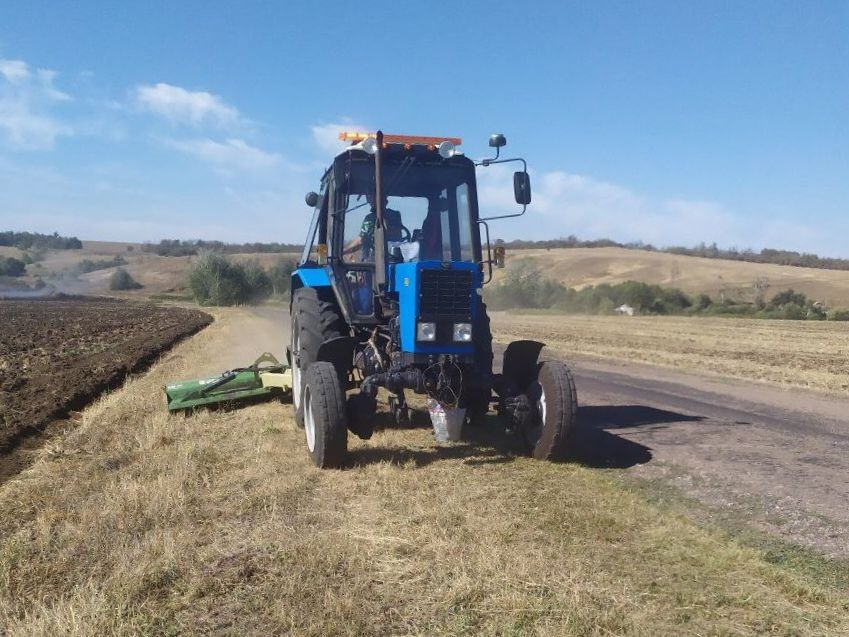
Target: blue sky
(667, 122)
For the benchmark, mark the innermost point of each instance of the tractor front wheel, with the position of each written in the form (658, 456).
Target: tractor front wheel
(315, 319)
(550, 429)
(324, 416)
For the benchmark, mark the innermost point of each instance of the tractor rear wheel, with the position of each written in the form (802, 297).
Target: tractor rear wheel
(324, 416)
(315, 319)
(550, 432)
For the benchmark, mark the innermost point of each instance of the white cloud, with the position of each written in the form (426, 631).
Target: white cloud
(26, 99)
(326, 136)
(191, 107)
(566, 203)
(15, 71)
(45, 81)
(231, 154)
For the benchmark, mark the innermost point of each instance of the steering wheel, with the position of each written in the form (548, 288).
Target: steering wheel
(407, 238)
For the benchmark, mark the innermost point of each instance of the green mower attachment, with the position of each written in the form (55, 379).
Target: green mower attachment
(235, 384)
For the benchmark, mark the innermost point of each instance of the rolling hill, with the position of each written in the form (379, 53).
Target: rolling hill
(579, 267)
(574, 267)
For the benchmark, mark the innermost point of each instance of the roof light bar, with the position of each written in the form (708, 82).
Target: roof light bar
(355, 137)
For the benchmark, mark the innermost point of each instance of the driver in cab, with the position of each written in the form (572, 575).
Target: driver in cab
(365, 240)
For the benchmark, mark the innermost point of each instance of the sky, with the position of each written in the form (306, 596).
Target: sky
(667, 122)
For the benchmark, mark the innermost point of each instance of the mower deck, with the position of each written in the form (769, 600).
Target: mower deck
(233, 385)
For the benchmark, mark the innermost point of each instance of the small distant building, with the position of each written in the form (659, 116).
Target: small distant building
(625, 310)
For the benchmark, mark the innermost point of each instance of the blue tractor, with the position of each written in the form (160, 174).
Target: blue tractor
(388, 293)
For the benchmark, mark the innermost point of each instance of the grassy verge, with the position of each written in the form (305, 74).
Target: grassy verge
(137, 522)
(734, 521)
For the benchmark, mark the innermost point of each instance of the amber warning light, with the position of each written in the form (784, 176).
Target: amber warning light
(355, 137)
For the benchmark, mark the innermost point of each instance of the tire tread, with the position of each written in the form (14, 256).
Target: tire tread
(327, 402)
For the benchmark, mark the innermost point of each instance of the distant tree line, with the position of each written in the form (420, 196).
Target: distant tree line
(712, 251)
(27, 240)
(527, 287)
(178, 248)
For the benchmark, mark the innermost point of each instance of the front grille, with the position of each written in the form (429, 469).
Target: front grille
(445, 295)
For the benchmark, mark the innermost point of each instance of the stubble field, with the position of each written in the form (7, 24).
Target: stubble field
(809, 354)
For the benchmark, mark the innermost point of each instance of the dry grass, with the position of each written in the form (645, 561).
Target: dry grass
(591, 266)
(809, 354)
(138, 522)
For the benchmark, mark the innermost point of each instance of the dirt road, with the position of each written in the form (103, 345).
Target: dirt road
(777, 458)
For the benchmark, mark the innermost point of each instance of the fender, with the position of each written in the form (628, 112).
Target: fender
(520, 363)
(310, 278)
(339, 351)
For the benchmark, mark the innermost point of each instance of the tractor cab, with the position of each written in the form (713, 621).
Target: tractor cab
(430, 224)
(429, 212)
(389, 288)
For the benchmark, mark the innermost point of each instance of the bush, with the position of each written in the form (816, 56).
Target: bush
(703, 302)
(258, 281)
(525, 287)
(791, 312)
(215, 280)
(838, 315)
(10, 266)
(87, 265)
(281, 275)
(788, 297)
(121, 280)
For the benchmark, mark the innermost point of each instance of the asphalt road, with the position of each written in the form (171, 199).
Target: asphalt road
(779, 458)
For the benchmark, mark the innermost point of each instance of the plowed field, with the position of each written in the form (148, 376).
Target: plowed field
(56, 354)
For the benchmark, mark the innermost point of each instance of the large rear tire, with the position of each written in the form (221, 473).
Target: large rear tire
(315, 319)
(551, 433)
(324, 416)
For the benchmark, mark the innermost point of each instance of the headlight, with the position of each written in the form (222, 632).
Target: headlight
(462, 332)
(426, 332)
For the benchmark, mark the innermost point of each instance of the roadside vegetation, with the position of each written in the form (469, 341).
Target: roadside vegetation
(712, 251)
(217, 523)
(214, 279)
(526, 287)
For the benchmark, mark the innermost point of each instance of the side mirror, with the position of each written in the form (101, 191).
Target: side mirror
(497, 140)
(522, 187)
(499, 255)
(312, 199)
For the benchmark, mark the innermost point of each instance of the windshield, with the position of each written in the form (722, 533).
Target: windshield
(427, 211)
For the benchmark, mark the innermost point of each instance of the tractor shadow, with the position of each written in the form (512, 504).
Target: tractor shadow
(487, 442)
(598, 447)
